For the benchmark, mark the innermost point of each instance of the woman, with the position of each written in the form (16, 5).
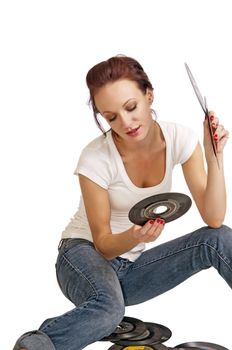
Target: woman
(102, 265)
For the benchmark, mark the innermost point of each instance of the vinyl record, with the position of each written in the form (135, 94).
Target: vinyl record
(192, 348)
(168, 206)
(130, 327)
(200, 346)
(144, 335)
(146, 347)
(157, 334)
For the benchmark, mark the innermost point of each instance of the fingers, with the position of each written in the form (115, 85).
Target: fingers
(220, 134)
(214, 121)
(221, 137)
(151, 230)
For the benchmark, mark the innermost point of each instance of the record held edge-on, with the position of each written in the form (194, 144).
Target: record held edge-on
(175, 205)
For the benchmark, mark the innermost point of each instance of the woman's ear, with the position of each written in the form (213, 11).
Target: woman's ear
(150, 96)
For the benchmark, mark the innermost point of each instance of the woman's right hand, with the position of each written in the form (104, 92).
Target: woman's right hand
(149, 232)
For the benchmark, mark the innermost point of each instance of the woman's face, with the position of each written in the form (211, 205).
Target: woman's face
(126, 108)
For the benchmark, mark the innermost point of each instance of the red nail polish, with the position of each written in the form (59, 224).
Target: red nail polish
(158, 220)
(211, 117)
(215, 136)
(151, 222)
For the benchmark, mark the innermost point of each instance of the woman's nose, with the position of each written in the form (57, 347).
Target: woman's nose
(125, 120)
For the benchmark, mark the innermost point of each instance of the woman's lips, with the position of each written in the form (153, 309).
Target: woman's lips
(133, 132)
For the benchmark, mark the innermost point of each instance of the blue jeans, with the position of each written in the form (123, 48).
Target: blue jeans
(101, 289)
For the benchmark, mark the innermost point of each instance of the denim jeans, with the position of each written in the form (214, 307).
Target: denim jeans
(101, 289)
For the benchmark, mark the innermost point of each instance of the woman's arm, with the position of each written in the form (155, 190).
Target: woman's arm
(208, 189)
(98, 212)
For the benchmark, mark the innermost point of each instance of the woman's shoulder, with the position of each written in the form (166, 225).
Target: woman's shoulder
(183, 140)
(98, 144)
(97, 153)
(176, 129)
(94, 161)
(169, 125)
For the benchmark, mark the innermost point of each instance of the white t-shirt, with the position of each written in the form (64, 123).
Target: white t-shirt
(101, 162)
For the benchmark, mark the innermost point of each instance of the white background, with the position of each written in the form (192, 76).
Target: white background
(47, 48)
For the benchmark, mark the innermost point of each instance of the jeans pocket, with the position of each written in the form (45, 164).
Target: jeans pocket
(115, 264)
(120, 264)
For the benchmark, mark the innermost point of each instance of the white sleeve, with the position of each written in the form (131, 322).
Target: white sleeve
(184, 143)
(94, 165)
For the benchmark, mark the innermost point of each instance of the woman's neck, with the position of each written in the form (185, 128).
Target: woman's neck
(149, 143)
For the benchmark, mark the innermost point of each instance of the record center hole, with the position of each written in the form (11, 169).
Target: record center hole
(160, 210)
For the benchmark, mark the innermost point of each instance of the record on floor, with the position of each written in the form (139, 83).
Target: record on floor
(200, 346)
(168, 206)
(157, 334)
(129, 327)
(139, 347)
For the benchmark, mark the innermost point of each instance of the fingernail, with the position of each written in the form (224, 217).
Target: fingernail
(163, 222)
(158, 220)
(211, 117)
(215, 136)
(151, 222)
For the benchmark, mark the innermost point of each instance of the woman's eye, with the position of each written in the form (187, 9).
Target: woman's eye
(132, 108)
(112, 118)
(129, 109)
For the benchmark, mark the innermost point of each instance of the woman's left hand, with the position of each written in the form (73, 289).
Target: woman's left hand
(220, 135)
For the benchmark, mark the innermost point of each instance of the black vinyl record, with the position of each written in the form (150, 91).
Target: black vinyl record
(132, 347)
(200, 346)
(168, 206)
(157, 334)
(129, 327)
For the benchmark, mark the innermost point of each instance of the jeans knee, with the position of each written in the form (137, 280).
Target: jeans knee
(221, 236)
(226, 232)
(217, 246)
(34, 340)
